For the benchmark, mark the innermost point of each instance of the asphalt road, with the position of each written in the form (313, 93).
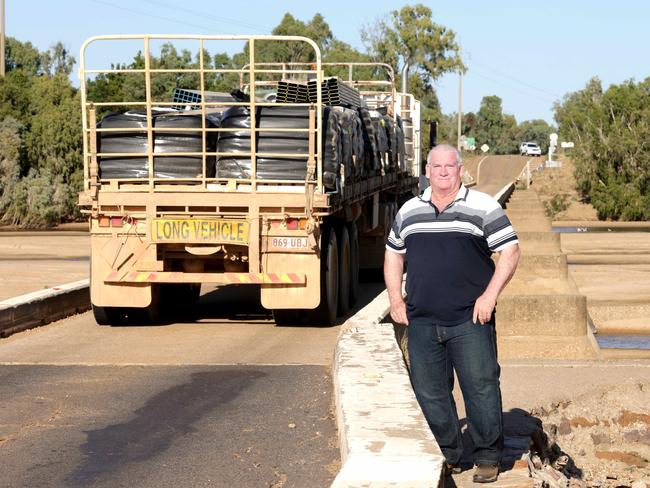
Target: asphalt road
(224, 399)
(497, 171)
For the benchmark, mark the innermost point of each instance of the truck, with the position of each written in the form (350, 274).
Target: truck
(289, 182)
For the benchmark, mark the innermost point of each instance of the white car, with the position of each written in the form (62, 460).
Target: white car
(530, 149)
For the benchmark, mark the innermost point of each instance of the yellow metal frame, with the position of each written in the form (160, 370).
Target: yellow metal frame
(252, 72)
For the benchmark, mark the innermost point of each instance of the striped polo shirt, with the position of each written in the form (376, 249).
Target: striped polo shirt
(448, 263)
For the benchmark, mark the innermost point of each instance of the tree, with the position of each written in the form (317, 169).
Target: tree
(537, 130)
(22, 56)
(40, 155)
(612, 154)
(507, 140)
(57, 61)
(489, 122)
(410, 41)
(316, 29)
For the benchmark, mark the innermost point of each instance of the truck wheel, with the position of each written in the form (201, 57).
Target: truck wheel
(288, 317)
(344, 270)
(108, 315)
(354, 262)
(325, 313)
(180, 298)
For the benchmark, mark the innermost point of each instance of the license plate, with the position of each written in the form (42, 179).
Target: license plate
(280, 243)
(200, 230)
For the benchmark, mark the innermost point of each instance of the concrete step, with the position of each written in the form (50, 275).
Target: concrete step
(523, 284)
(546, 347)
(523, 205)
(547, 265)
(531, 225)
(541, 315)
(526, 213)
(539, 242)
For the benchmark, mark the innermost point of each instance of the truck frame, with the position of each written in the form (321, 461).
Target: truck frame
(156, 240)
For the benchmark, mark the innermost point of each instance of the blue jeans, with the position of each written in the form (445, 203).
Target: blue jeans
(469, 349)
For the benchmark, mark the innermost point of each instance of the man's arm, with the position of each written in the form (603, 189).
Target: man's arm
(393, 272)
(484, 306)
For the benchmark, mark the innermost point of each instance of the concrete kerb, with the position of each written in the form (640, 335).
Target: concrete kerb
(384, 438)
(43, 306)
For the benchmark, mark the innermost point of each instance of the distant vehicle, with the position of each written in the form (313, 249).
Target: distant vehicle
(530, 149)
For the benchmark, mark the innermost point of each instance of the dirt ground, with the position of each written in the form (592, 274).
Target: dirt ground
(560, 184)
(605, 432)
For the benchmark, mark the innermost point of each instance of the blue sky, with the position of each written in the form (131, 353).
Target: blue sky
(528, 53)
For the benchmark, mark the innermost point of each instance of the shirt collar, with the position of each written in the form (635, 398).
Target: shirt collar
(461, 195)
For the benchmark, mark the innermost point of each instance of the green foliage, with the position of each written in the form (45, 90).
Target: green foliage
(410, 39)
(559, 203)
(611, 131)
(490, 123)
(292, 52)
(535, 131)
(40, 140)
(25, 57)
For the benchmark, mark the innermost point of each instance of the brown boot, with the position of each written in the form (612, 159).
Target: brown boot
(486, 473)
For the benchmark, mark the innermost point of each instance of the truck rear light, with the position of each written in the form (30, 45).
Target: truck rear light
(106, 221)
(289, 224)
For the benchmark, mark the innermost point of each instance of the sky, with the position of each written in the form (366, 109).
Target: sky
(530, 54)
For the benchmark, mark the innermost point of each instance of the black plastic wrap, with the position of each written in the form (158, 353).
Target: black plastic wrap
(372, 159)
(277, 168)
(164, 142)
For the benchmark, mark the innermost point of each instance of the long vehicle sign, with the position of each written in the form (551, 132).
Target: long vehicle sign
(200, 230)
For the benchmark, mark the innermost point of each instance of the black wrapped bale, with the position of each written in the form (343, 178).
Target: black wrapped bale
(123, 142)
(372, 160)
(353, 152)
(164, 142)
(237, 165)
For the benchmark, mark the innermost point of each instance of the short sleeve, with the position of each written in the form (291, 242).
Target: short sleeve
(394, 242)
(498, 230)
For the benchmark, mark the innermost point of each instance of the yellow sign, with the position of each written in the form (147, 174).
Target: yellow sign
(200, 230)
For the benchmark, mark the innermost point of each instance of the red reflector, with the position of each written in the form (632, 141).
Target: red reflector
(116, 221)
(293, 224)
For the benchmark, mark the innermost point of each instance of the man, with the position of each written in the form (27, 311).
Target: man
(446, 236)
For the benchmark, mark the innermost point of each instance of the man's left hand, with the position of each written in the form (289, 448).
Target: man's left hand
(483, 309)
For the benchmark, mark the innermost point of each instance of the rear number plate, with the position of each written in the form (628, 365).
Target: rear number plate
(280, 243)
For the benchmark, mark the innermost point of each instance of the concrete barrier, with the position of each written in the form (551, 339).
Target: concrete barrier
(43, 306)
(384, 438)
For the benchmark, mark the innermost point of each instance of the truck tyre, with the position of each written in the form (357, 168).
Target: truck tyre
(108, 315)
(325, 313)
(153, 313)
(288, 317)
(354, 263)
(343, 237)
(180, 298)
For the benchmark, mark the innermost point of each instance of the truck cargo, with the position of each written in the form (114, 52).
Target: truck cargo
(289, 182)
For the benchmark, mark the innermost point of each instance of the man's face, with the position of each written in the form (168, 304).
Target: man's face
(443, 173)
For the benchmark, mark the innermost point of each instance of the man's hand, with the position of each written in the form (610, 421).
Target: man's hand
(505, 268)
(398, 312)
(483, 309)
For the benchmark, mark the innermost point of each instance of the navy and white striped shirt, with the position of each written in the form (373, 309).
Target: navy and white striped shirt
(448, 253)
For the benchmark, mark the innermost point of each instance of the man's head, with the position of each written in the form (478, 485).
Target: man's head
(444, 169)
